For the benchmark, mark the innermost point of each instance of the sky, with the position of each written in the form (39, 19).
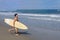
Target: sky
(29, 4)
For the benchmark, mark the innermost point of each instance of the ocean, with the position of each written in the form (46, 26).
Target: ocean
(37, 14)
(48, 20)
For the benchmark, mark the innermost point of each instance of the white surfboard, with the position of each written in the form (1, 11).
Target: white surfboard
(18, 25)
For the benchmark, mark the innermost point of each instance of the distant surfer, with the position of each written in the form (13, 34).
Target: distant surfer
(13, 27)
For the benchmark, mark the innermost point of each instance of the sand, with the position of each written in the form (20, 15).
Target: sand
(35, 31)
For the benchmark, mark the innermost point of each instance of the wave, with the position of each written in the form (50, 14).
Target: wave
(45, 15)
(6, 13)
(25, 14)
(50, 19)
(53, 17)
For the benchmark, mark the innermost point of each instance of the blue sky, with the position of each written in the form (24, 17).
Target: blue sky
(29, 4)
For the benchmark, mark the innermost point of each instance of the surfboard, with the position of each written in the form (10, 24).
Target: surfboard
(18, 24)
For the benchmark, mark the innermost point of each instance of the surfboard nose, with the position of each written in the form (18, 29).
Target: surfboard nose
(6, 20)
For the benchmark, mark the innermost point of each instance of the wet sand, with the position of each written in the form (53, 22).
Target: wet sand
(35, 31)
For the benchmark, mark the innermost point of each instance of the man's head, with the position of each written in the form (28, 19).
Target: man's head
(15, 14)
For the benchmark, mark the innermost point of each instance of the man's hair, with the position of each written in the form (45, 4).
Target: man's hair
(15, 14)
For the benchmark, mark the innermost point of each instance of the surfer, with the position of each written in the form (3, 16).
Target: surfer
(13, 27)
(15, 19)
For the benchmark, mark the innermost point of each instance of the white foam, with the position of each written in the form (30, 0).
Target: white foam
(35, 16)
(25, 14)
(6, 13)
(43, 18)
(45, 15)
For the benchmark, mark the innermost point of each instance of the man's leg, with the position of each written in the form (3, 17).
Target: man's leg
(12, 29)
(16, 30)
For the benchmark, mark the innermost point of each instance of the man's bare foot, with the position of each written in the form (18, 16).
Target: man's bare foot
(10, 30)
(16, 34)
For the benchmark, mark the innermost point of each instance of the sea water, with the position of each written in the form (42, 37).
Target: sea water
(47, 19)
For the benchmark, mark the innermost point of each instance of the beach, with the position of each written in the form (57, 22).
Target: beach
(37, 29)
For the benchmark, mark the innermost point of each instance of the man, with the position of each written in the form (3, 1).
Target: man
(13, 27)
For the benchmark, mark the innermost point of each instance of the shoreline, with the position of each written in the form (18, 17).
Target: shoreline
(38, 30)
